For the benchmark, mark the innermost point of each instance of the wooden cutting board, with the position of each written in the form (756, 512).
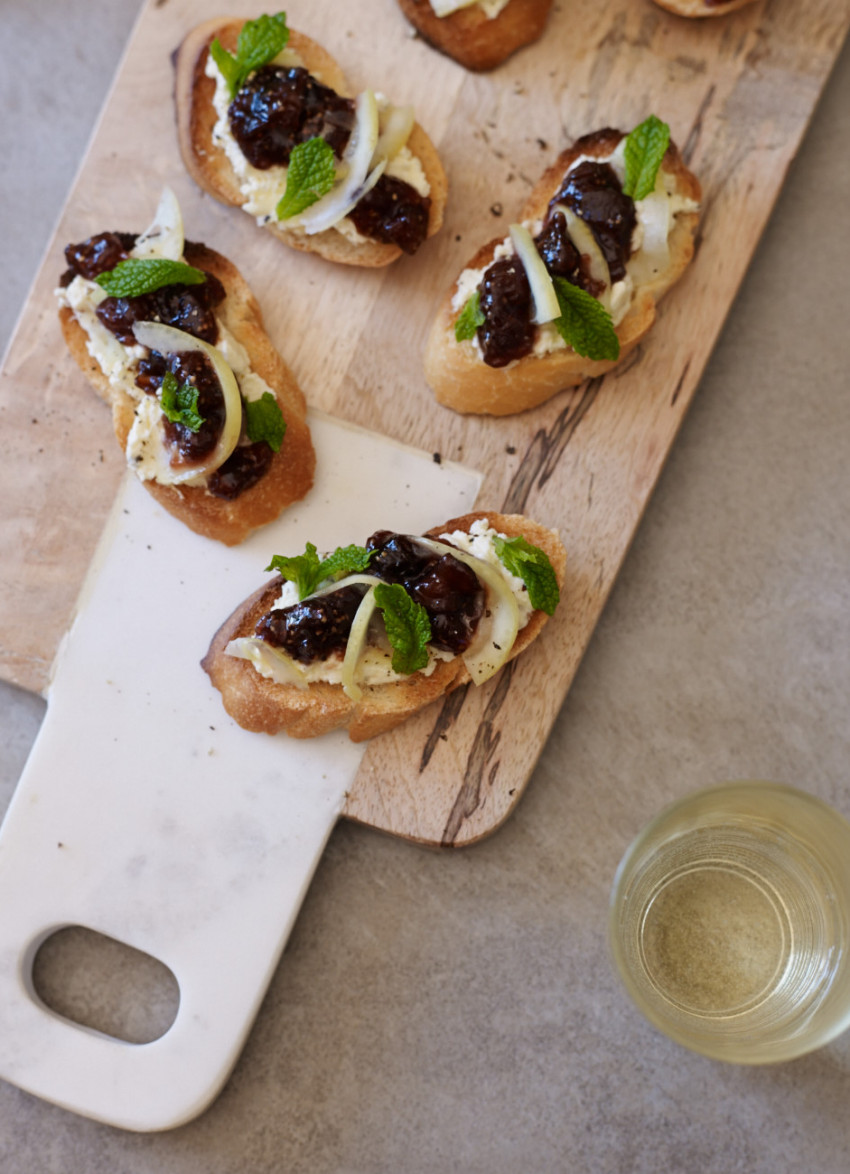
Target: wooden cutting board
(738, 92)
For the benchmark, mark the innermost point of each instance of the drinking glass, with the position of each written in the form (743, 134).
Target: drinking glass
(730, 922)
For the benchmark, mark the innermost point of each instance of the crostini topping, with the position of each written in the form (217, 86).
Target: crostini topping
(532, 565)
(310, 176)
(584, 323)
(138, 276)
(466, 594)
(278, 108)
(407, 626)
(490, 8)
(259, 42)
(179, 402)
(544, 299)
(595, 242)
(187, 429)
(645, 149)
(593, 191)
(355, 176)
(264, 421)
(306, 571)
(369, 186)
(470, 318)
(198, 363)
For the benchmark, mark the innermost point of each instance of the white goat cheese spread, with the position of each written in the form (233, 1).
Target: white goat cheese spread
(263, 188)
(490, 8)
(655, 216)
(375, 664)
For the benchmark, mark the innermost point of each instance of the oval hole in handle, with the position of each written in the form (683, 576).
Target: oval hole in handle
(101, 983)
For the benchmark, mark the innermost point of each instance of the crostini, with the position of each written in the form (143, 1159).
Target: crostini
(478, 34)
(266, 122)
(573, 288)
(702, 7)
(170, 336)
(369, 635)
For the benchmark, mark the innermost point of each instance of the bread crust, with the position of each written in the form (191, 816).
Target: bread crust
(290, 474)
(471, 39)
(211, 169)
(461, 380)
(700, 8)
(264, 706)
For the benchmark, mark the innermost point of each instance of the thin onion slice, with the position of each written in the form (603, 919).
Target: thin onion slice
(356, 644)
(270, 662)
(169, 340)
(581, 235)
(546, 307)
(164, 235)
(357, 179)
(492, 648)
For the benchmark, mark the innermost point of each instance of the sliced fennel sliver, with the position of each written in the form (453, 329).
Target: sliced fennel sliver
(447, 7)
(270, 662)
(396, 123)
(288, 58)
(581, 235)
(656, 220)
(546, 307)
(337, 585)
(164, 235)
(491, 649)
(169, 340)
(354, 175)
(356, 644)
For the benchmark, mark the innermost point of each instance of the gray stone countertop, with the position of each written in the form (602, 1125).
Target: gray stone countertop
(459, 1012)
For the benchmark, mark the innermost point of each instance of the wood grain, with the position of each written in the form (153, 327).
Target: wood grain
(738, 93)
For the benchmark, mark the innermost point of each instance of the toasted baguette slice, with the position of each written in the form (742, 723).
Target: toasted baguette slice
(473, 40)
(701, 8)
(464, 382)
(265, 706)
(290, 474)
(210, 168)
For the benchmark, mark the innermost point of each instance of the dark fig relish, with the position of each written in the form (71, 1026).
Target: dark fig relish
(394, 213)
(505, 299)
(447, 588)
(280, 107)
(99, 254)
(197, 370)
(245, 467)
(593, 191)
(186, 307)
(315, 629)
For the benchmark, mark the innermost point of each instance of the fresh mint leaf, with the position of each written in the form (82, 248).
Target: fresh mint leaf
(180, 403)
(259, 42)
(307, 570)
(300, 569)
(585, 324)
(532, 565)
(645, 148)
(345, 560)
(264, 420)
(408, 627)
(470, 318)
(309, 176)
(228, 66)
(141, 275)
